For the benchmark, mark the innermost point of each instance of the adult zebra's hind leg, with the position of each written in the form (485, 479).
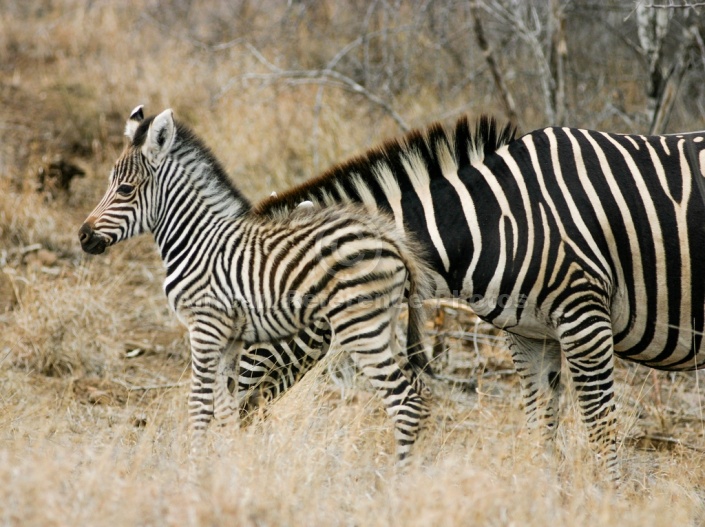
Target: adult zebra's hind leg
(225, 405)
(538, 363)
(267, 370)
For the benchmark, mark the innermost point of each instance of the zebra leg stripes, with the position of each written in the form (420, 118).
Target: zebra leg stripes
(538, 364)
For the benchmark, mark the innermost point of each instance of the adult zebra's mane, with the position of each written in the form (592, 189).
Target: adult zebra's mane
(432, 145)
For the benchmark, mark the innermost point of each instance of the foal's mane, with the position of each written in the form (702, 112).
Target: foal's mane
(189, 144)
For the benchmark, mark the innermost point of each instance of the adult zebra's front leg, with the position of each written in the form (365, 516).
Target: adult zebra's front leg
(226, 404)
(586, 339)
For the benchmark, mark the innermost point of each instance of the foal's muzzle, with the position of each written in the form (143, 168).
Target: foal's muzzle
(90, 241)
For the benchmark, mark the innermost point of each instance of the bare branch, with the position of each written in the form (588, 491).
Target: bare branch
(701, 44)
(531, 36)
(671, 5)
(652, 28)
(674, 78)
(559, 54)
(321, 77)
(500, 84)
(648, 441)
(134, 388)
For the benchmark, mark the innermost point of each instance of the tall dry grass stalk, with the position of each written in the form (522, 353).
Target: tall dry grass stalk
(93, 366)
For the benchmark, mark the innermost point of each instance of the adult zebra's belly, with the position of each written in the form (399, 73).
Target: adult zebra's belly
(659, 337)
(679, 357)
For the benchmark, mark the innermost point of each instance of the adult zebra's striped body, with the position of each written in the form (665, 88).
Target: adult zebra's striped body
(573, 241)
(269, 369)
(234, 277)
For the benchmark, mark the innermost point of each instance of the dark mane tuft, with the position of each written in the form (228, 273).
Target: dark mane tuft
(466, 146)
(186, 137)
(471, 147)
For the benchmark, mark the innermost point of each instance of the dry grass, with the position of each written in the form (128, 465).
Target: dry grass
(93, 432)
(315, 460)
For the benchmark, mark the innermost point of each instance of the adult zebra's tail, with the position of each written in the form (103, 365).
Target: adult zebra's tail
(420, 288)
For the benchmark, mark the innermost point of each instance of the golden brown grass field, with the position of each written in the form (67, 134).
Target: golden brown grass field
(94, 367)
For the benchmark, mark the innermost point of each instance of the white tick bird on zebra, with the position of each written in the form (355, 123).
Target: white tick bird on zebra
(234, 277)
(578, 243)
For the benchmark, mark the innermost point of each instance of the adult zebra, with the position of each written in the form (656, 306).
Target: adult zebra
(269, 369)
(573, 241)
(234, 277)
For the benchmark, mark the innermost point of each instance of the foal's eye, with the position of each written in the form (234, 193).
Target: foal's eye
(125, 189)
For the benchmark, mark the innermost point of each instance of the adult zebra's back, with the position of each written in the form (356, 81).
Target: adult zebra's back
(573, 241)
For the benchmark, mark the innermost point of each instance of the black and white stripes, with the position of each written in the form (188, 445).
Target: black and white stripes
(403, 178)
(234, 277)
(578, 243)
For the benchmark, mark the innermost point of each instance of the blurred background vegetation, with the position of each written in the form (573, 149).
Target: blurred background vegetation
(280, 90)
(284, 89)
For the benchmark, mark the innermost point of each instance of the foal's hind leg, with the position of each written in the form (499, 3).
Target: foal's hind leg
(368, 342)
(400, 352)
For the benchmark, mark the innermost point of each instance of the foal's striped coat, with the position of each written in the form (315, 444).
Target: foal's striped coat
(233, 277)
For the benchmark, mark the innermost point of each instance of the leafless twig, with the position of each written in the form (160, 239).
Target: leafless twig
(671, 5)
(652, 440)
(322, 77)
(497, 77)
(134, 388)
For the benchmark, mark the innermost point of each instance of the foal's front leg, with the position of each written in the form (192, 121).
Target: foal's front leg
(226, 398)
(209, 335)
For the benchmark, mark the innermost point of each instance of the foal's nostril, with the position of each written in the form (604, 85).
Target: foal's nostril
(85, 233)
(91, 242)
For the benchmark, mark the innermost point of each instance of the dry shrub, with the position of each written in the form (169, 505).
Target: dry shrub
(79, 318)
(57, 329)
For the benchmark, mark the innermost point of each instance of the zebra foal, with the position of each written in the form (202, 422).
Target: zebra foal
(233, 277)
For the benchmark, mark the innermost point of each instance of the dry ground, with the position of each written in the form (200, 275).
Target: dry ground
(93, 367)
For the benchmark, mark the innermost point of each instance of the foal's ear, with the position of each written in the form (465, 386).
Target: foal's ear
(136, 117)
(160, 137)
